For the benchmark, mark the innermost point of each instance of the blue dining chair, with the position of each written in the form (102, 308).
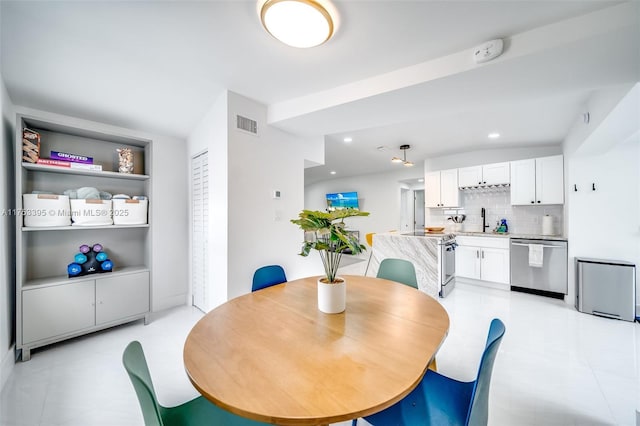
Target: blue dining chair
(198, 411)
(398, 270)
(439, 400)
(267, 276)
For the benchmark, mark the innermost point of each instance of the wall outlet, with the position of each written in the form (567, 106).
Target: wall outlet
(276, 195)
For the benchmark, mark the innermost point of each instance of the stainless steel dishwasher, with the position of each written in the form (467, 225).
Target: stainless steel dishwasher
(546, 274)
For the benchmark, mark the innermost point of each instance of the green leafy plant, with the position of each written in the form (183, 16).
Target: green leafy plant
(325, 232)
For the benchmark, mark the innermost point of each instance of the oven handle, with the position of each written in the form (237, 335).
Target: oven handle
(543, 245)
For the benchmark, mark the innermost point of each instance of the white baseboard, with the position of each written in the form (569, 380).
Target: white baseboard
(6, 366)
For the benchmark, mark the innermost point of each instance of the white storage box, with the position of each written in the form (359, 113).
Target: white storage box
(42, 210)
(130, 212)
(91, 212)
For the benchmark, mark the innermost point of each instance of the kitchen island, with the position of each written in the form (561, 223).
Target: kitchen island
(422, 251)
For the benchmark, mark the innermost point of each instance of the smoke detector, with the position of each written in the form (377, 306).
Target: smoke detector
(488, 51)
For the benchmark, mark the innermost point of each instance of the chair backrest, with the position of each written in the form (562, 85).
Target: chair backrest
(399, 270)
(479, 408)
(136, 365)
(267, 276)
(369, 238)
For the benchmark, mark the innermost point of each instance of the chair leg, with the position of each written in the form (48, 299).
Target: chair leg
(365, 271)
(354, 422)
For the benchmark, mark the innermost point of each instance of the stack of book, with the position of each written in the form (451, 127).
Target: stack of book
(72, 161)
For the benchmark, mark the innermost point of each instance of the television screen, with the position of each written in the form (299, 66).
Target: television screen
(342, 200)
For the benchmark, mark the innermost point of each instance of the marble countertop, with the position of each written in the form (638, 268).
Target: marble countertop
(509, 235)
(491, 234)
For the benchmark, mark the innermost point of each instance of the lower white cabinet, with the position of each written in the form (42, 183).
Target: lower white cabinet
(56, 311)
(483, 258)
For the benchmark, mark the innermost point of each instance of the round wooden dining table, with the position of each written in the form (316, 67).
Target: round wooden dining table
(272, 356)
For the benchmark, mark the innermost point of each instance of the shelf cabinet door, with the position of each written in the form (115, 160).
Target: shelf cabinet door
(121, 297)
(495, 265)
(468, 262)
(523, 182)
(54, 311)
(495, 174)
(449, 192)
(469, 176)
(550, 180)
(432, 189)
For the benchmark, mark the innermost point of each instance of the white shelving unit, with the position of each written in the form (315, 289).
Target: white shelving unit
(51, 307)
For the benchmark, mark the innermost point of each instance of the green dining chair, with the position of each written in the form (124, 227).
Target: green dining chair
(398, 270)
(198, 411)
(440, 400)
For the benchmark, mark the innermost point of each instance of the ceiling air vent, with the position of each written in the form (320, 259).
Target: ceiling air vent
(246, 124)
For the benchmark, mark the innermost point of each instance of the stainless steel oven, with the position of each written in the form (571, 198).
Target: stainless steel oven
(447, 264)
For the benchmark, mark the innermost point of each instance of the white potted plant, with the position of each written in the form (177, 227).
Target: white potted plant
(326, 233)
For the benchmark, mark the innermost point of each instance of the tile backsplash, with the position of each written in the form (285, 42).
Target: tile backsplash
(497, 203)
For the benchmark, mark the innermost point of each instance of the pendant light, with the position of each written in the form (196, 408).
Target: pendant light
(297, 23)
(403, 160)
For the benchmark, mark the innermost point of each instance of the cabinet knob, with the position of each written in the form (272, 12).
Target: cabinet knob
(484, 182)
(479, 183)
(532, 202)
(538, 201)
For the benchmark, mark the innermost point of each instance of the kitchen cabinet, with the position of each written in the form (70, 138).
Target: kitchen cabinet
(537, 181)
(50, 306)
(485, 175)
(441, 189)
(483, 258)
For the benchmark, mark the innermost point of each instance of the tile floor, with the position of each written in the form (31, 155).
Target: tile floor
(556, 366)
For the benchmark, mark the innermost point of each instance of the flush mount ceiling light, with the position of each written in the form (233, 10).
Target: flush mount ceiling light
(493, 135)
(403, 160)
(297, 23)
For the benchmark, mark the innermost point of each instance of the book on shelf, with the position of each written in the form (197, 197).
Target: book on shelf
(69, 164)
(72, 158)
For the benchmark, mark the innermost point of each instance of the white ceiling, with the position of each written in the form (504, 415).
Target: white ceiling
(158, 66)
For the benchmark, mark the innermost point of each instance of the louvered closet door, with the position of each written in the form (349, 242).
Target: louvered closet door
(200, 230)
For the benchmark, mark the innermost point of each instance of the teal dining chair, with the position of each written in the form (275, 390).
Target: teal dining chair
(398, 270)
(198, 411)
(267, 276)
(439, 400)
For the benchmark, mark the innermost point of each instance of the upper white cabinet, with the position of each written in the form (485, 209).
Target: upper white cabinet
(441, 188)
(488, 174)
(537, 181)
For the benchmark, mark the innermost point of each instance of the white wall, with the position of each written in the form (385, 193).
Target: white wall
(7, 258)
(248, 227)
(604, 223)
(378, 194)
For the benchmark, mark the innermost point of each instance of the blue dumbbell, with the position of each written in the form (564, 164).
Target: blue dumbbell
(74, 269)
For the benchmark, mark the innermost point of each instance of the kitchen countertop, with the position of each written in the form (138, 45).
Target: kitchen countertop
(509, 235)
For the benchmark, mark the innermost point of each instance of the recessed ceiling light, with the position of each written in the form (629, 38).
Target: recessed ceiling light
(348, 139)
(494, 135)
(333, 172)
(297, 23)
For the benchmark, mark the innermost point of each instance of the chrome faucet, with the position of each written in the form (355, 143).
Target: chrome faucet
(485, 225)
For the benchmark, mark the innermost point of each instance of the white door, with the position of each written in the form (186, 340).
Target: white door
(468, 262)
(449, 192)
(523, 182)
(469, 176)
(550, 180)
(495, 265)
(495, 174)
(432, 189)
(406, 213)
(200, 230)
(418, 209)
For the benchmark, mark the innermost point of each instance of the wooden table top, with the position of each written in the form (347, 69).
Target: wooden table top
(273, 356)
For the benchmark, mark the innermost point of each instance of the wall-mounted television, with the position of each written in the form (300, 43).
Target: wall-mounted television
(342, 200)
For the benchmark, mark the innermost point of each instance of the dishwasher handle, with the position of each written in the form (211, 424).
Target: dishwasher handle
(543, 245)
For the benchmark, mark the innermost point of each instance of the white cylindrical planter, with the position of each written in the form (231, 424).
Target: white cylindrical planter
(332, 298)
